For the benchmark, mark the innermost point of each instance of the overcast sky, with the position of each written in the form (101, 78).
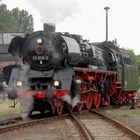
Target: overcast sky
(87, 17)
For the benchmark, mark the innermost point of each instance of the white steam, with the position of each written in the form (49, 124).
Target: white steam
(75, 100)
(26, 100)
(67, 98)
(55, 11)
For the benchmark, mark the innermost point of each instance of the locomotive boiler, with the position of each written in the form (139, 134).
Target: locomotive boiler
(62, 71)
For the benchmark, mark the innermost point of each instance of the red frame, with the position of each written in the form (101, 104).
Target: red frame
(41, 93)
(90, 76)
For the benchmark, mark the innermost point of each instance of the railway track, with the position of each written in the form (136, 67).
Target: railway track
(120, 126)
(105, 128)
(17, 118)
(85, 125)
(83, 129)
(78, 130)
(9, 120)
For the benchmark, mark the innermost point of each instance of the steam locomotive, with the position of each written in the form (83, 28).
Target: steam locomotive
(60, 72)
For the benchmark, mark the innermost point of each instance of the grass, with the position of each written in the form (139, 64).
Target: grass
(137, 112)
(123, 112)
(117, 113)
(6, 110)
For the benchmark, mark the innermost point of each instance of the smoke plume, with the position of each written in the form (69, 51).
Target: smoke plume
(55, 11)
(67, 98)
(26, 105)
(75, 100)
(26, 100)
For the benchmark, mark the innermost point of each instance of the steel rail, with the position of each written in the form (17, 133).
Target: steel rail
(73, 118)
(82, 127)
(119, 125)
(78, 123)
(9, 120)
(29, 123)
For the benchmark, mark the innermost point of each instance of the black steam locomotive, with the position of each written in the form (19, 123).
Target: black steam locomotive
(62, 71)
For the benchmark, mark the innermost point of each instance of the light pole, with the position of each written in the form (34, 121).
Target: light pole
(106, 8)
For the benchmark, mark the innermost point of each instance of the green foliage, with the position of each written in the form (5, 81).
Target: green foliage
(134, 58)
(6, 21)
(23, 21)
(15, 20)
(132, 55)
(115, 42)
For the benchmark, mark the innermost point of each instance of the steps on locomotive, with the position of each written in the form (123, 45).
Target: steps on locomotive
(118, 85)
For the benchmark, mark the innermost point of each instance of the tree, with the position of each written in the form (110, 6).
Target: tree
(134, 58)
(115, 42)
(23, 21)
(6, 20)
(131, 55)
(15, 20)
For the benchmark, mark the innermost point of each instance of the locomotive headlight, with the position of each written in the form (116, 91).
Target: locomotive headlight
(19, 83)
(39, 41)
(56, 83)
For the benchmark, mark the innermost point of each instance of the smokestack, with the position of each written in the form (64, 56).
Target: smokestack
(49, 27)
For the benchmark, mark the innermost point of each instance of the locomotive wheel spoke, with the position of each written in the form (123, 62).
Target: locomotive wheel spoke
(59, 110)
(97, 100)
(106, 102)
(80, 105)
(89, 101)
(59, 106)
(121, 98)
(70, 108)
(52, 108)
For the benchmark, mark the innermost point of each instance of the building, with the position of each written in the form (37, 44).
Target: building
(5, 39)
